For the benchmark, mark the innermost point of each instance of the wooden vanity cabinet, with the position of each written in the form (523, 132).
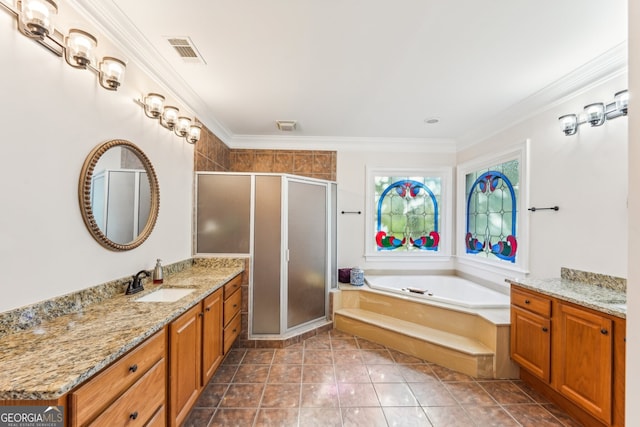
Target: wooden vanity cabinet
(212, 352)
(157, 383)
(131, 391)
(232, 319)
(571, 354)
(583, 359)
(195, 352)
(184, 363)
(531, 333)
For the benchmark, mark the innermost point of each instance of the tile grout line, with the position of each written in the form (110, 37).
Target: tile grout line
(335, 379)
(443, 378)
(501, 405)
(541, 404)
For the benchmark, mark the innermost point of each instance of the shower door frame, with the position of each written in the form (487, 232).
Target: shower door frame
(285, 255)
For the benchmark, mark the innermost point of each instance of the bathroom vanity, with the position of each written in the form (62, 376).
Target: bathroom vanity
(123, 361)
(569, 339)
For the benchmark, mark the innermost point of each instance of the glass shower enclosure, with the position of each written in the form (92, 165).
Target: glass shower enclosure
(286, 225)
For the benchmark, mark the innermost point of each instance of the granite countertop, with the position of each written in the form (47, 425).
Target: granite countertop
(600, 298)
(48, 360)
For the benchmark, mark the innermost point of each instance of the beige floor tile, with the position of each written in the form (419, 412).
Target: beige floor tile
(337, 380)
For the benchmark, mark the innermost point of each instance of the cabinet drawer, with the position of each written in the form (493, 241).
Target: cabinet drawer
(92, 397)
(533, 302)
(159, 419)
(232, 285)
(140, 403)
(232, 306)
(231, 332)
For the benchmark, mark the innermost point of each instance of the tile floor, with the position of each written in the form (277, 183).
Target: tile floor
(335, 379)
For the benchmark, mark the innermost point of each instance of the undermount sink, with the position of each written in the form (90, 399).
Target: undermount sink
(165, 295)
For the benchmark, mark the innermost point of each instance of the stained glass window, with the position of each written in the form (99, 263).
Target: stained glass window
(491, 211)
(407, 215)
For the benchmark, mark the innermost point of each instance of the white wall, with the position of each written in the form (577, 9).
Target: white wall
(351, 177)
(585, 175)
(52, 116)
(633, 280)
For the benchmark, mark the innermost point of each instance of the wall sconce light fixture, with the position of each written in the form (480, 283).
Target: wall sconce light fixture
(36, 17)
(182, 128)
(111, 72)
(80, 48)
(35, 20)
(194, 133)
(169, 117)
(596, 114)
(153, 105)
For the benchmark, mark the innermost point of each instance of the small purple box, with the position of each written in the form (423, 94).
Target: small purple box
(344, 275)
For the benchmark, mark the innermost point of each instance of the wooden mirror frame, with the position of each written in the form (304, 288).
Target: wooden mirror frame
(84, 195)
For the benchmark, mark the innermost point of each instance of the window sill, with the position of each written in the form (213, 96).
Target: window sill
(407, 257)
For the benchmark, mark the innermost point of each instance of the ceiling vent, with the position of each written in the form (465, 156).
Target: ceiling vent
(186, 50)
(286, 125)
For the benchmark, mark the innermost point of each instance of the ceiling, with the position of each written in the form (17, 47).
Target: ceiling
(360, 71)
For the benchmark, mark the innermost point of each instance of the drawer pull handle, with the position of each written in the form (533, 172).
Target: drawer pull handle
(201, 314)
(208, 309)
(527, 301)
(235, 305)
(604, 331)
(545, 329)
(133, 368)
(234, 331)
(134, 415)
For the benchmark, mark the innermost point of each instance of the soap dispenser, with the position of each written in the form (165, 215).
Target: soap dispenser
(157, 273)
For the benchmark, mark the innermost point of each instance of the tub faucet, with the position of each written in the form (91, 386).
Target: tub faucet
(135, 285)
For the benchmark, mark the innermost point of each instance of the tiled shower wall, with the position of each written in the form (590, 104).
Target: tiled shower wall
(212, 154)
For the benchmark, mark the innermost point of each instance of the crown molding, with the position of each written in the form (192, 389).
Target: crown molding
(599, 70)
(109, 19)
(293, 142)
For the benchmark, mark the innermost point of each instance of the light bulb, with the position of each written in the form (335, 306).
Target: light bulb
(594, 113)
(35, 17)
(111, 72)
(622, 101)
(170, 116)
(153, 104)
(194, 134)
(80, 47)
(569, 124)
(182, 127)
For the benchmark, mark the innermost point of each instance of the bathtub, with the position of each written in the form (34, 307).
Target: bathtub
(451, 290)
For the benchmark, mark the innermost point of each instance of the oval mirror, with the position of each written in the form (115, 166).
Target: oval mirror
(119, 195)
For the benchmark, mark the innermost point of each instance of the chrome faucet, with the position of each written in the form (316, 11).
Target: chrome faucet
(135, 285)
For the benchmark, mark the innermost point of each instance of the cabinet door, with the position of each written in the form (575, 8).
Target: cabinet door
(185, 358)
(583, 359)
(531, 342)
(211, 335)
